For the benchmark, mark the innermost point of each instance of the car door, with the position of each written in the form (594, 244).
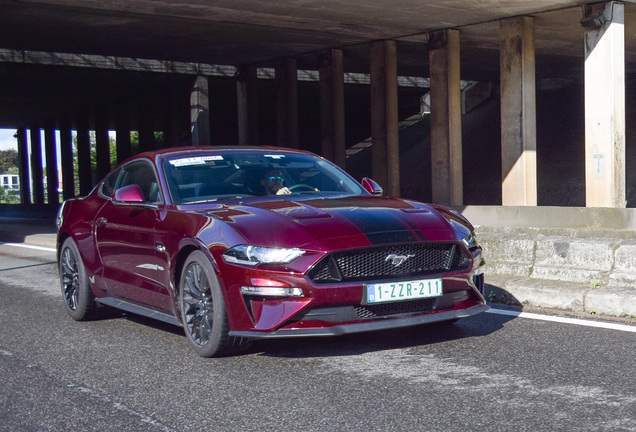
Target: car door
(125, 239)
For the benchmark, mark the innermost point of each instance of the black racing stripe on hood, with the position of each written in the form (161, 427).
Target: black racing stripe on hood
(388, 229)
(378, 239)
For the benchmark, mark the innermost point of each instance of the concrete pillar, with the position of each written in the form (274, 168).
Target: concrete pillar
(23, 154)
(84, 154)
(446, 118)
(36, 166)
(172, 132)
(52, 182)
(332, 108)
(200, 112)
(287, 103)
(385, 151)
(66, 159)
(102, 144)
(122, 132)
(518, 112)
(247, 101)
(605, 105)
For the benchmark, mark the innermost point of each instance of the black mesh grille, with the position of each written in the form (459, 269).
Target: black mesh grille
(379, 310)
(390, 261)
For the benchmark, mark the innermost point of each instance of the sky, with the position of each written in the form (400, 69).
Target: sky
(7, 141)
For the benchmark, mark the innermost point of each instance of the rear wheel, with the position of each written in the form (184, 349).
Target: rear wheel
(78, 297)
(202, 309)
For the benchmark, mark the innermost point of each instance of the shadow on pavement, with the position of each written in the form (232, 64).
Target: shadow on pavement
(17, 231)
(409, 337)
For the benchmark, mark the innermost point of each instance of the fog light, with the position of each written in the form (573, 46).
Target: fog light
(272, 291)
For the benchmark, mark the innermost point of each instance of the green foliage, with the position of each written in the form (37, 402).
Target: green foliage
(9, 165)
(9, 196)
(8, 160)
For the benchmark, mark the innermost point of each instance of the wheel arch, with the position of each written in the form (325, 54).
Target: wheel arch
(187, 247)
(61, 238)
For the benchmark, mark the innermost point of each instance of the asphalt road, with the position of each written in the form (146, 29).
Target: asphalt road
(490, 372)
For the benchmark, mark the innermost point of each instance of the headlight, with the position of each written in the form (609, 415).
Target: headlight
(470, 241)
(255, 255)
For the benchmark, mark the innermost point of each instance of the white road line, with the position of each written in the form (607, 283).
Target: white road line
(26, 246)
(575, 321)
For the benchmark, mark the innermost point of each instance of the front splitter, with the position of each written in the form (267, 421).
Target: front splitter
(384, 324)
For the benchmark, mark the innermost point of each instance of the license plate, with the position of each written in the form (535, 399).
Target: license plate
(403, 290)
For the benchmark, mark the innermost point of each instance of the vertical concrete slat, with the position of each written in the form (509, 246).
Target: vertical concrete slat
(446, 111)
(200, 112)
(385, 155)
(518, 112)
(102, 144)
(51, 165)
(66, 159)
(23, 154)
(122, 132)
(146, 125)
(605, 108)
(287, 133)
(84, 167)
(36, 166)
(332, 109)
(172, 133)
(247, 102)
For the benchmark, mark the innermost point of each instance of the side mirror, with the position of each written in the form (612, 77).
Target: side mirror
(130, 194)
(372, 187)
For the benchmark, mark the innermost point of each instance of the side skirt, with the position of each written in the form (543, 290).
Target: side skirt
(139, 310)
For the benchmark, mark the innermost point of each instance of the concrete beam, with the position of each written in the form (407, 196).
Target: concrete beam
(385, 151)
(165, 66)
(518, 112)
(446, 119)
(605, 107)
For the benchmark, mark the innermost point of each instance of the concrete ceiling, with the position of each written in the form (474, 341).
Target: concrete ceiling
(258, 32)
(237, 32)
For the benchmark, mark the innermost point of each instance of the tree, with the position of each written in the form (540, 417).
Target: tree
(9, 165)
(8, 159)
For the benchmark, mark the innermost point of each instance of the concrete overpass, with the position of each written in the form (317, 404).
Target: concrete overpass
(160, 66)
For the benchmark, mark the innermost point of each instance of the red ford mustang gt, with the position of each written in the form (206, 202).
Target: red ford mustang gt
(240, 243)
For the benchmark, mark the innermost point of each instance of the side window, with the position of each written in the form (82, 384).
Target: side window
(108, 187)
(141, 174)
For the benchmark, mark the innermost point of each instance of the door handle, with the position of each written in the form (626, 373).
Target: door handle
(101, 221)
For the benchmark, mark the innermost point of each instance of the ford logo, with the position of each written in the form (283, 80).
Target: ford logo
(397, 260)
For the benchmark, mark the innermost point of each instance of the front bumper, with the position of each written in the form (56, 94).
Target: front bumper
(380, 324)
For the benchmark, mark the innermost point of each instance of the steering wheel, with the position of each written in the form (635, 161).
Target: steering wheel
(302, 186)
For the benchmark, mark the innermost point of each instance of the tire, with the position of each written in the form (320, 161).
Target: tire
(76, 292)
(202, 308)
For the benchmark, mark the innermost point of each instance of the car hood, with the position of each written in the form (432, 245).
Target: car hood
(333, 223)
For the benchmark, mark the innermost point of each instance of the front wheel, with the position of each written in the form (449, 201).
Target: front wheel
(78, 297)
(202, 309)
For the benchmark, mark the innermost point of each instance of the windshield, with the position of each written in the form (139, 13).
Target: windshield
(208, 177)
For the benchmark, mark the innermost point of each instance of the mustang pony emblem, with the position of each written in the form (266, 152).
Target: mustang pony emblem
(398, 260)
